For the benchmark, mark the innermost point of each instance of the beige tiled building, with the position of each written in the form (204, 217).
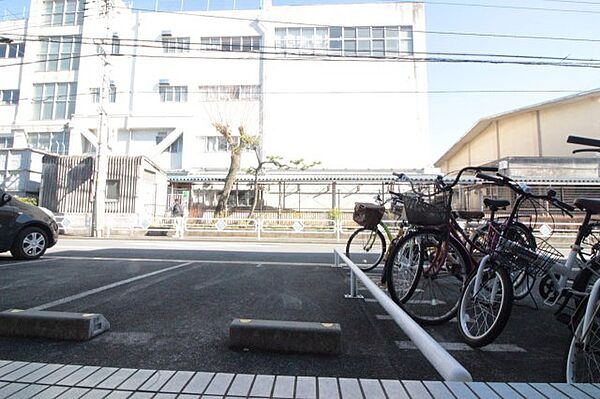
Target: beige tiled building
(539, 130)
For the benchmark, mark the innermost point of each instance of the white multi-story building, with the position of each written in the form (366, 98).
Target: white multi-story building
(337, 84)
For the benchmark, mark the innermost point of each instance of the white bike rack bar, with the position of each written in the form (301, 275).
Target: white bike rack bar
(448, 367)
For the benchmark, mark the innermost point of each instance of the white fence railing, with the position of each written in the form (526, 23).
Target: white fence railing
(447, 366)
(255, 227)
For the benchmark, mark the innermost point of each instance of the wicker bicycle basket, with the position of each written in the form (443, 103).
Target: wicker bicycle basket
(518, 256)
(368, 215)
(427, 211)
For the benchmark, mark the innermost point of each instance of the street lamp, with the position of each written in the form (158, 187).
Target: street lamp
(6, 40)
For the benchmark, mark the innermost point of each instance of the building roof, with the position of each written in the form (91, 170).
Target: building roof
(483, 123)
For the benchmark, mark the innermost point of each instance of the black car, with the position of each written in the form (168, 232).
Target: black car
(27, 231)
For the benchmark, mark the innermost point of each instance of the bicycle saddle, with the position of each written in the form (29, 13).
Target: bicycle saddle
(495, 204)
(469, 215)
(591, 205)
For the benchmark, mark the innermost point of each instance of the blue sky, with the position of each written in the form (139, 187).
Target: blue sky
(451, 115)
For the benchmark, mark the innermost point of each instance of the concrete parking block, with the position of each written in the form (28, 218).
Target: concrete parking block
(52, 325)
(286, 336)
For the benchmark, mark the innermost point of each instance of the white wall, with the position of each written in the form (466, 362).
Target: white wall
(358, 114)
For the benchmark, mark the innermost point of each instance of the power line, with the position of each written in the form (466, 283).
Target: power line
(303, 52)
(324, 92)
(434, 32)
(509, 7)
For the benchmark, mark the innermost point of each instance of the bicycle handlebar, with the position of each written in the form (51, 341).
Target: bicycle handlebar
(549, 196)
(583, 141)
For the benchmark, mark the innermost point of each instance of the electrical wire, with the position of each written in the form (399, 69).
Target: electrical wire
(304, 52)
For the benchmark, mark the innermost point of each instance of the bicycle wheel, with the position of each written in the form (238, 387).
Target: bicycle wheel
(483, 315)
(403, 269)
(586, 277)
(366, 248)
(583, 354)
(438, 276)
(523, 280)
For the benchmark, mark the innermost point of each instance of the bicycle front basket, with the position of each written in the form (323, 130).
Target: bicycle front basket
(431, 212)
(368, 215)
(536, 260)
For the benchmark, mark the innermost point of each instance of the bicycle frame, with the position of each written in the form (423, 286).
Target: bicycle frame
(565, 271)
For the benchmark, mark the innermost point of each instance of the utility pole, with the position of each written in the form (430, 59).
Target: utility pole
(101, 160)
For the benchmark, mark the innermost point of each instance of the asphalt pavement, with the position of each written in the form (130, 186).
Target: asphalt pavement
(170, 304)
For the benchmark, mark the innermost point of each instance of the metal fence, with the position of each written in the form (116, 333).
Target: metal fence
(258, 228)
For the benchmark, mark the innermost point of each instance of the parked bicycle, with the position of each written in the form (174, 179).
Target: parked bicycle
(428, 266)
(583, 353)
(366, 247)
(486, 301)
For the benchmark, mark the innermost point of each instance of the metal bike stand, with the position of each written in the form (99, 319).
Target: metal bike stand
(336, 261)
(353, 288)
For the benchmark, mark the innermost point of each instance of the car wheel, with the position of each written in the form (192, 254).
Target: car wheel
(31, 243)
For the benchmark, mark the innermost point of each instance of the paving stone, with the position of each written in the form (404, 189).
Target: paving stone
(158, 379)
(198, 383)
(372, 388)
(284, 386)
(328, 388)
(241, 385)
(73, 393)
(219, 384)
(136, 380)
(59, 374)
(97, 377)
(77, 376)
(177, 382)
(306, 388)
(116, 378)
(263, 386)
(41, 373)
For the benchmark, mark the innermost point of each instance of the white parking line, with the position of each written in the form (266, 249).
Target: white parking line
(232, 262)
(26, 262)
(107, 287)
(461, 346)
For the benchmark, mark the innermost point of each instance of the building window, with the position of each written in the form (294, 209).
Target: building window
(378, 41)
(229, 93)
(63, 12)
(6, 142)
(95, 93)
(216, 143)
(9, 97)
(177, 94)
(160, 136)
(54, 100)
(112, 190)
(12, 50)
(172, 44)
(115, 45)
(112, 94)
(59, 53)
(54, 142)
(231, 43)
